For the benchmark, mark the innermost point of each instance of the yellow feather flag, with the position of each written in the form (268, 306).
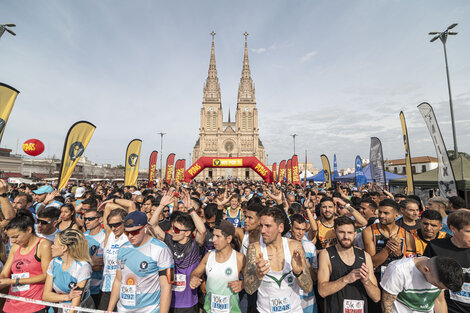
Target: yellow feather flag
(326, 170)
(7, 100)
(132, 162)
(77, 140)
(409, 170)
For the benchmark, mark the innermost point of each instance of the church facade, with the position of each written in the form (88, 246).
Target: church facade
(238, 138)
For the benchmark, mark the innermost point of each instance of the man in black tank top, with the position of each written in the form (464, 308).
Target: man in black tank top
(345, 275)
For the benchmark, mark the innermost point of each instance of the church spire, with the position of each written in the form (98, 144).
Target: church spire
(229, 115)
(212, 86)
(246, 89)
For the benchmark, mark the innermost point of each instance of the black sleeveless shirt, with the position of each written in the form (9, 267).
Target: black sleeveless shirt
(355, 291)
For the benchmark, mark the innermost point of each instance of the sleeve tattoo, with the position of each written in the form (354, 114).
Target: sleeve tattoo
(387, 301)
(251, 281)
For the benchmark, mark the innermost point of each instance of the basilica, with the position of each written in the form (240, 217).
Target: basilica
(237, 138)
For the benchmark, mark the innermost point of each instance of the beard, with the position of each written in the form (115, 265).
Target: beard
(346, 244)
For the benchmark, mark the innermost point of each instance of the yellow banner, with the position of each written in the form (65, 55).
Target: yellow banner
(227, 162)
(76, 142)
(132, 162)
(409, 171)
(7, 100)
(326, 170)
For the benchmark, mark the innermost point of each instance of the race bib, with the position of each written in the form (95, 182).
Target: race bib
(180, 283)
(128, 295)
(220, 304)
(353, 306)
(280, 305)
(111, 265)
(20, 287)
(463, 295)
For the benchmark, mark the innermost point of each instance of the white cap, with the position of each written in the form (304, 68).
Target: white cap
(137, 193)
(79, 192)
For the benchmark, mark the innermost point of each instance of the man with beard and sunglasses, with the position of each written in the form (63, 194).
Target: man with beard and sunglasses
(345, 275)
(144, 270)
(187, 252)
(115, 238)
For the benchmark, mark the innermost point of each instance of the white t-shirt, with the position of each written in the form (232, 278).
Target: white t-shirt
(414, 293)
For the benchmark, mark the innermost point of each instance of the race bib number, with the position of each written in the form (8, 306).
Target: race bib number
(111, 265)
(180, 283)
(220, 304)
(353, 306)
(462, 295)
(128, 295)
(20, 287)
(280, 305)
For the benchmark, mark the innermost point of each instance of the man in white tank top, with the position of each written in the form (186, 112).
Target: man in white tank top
(223, 268)
(276, 267)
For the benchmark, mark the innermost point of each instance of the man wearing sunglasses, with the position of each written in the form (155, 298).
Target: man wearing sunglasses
(95, 236)
(144, 270)
(47, 220)
(187, 252)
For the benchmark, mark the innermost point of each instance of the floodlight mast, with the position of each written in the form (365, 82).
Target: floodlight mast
(443, 37)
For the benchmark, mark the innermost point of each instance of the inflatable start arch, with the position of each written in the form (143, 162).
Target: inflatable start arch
(251, 162)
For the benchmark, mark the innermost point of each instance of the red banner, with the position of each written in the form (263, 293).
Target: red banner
(282, 171)
(274, 172)
(289, 171)
(152, 167)
(179, 170)
(170, 161)
(295, 170)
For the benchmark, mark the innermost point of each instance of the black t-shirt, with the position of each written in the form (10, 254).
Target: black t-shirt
(165, 225)
(400, 222)
(457, 302)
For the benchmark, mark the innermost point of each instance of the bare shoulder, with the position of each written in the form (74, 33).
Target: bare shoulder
(44, 244)
(294, 244)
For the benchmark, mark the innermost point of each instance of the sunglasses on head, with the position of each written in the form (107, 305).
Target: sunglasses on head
(176, 230)
(133, 232)
(43, 222)
(89, 219)
(115, 225)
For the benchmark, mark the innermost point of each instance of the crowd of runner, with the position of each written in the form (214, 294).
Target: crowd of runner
(233, 246)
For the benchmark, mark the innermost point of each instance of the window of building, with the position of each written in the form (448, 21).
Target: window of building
(413, 169)
(250, 121)
(404, 170)
(247, 174)
(395, 170)
(423, 168)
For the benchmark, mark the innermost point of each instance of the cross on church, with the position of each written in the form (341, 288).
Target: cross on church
(213, 34)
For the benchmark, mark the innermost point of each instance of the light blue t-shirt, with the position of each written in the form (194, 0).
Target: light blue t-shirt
(96, 246)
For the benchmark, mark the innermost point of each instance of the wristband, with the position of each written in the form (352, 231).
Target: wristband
(114, 200)
(4, 195)
(17, 282)
(191, 210)
(349, 207)
(298, 275)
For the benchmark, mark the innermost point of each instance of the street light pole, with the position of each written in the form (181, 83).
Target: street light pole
(443, 37)
(293, 136)
(161, 155)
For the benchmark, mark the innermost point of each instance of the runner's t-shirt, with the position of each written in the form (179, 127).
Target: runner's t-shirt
(308, 300)
(457, 302)
(110, 260)
(96, 247)
(414, 293)
(140, 266)
(186, 258)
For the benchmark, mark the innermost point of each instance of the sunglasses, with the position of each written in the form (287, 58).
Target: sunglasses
(89, 219)
(166, 211)
(133, 232)
(43, 222)
(177, 230)
(115, 225)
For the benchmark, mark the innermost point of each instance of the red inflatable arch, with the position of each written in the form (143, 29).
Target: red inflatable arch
(251, 162)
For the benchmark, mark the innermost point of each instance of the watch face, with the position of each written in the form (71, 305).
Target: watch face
(246, 109)
(211, 109)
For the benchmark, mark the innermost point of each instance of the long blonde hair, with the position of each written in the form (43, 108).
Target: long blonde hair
(76, 243)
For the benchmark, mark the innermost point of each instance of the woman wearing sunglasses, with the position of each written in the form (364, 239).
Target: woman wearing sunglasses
(25, 269)
(69, 272)
(115, 238)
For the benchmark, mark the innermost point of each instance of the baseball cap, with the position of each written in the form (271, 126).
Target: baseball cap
(137, 193)
(79, 192)
(226, 227)
(134, 219)
(43, 189)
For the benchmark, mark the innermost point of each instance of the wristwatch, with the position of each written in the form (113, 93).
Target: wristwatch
(17, 282)
(4, 195)
(298, 275)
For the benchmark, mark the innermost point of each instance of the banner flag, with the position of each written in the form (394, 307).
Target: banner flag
(170, 160)
(132, 162)
(377, 168)
(295, 170)
(274, 170)
(8, 96)
(177, 164)
(182, 169)
(335, 168)
(326, 170)
(282, 171)
(179, 170)
(361, 178)
(446, 178)
(76, 141)
(409, 169)
(152, 167)
(289, 171)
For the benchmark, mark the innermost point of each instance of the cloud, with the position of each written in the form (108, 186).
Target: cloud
(259, 50)
(308, 56)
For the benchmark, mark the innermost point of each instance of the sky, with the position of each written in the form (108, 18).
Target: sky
(333, 72)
